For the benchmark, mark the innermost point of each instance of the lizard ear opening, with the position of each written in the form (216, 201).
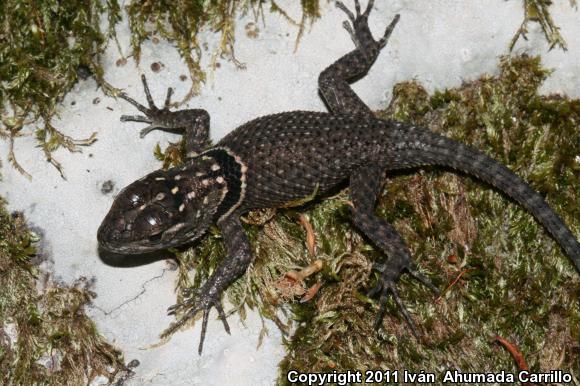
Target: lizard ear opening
(156, 238)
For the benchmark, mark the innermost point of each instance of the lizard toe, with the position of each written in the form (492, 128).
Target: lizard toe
(386, 287)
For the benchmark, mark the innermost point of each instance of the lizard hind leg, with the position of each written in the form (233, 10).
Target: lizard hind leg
(364, 187)
(334, 81)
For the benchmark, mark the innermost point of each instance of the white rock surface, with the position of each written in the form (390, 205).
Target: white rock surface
(440, 43)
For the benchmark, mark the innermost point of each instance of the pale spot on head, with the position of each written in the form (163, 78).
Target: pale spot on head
(178, 177)
(175, 190)
(181, 207)
(215, 167)
(191, 195)
(159, 178)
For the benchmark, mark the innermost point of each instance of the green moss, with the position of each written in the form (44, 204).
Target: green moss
(45, 336)
(538, 11)
(515, 282)
(517, 285)
(180, 24)
(47, 46)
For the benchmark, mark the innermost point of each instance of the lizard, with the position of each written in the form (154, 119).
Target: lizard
(278, 159)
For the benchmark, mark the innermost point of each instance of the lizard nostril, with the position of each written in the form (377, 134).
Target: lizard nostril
(119, 224)
(111, 231)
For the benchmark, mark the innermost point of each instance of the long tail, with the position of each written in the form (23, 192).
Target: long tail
(424, 147)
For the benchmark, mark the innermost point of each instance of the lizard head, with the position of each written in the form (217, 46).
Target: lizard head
(164, 209)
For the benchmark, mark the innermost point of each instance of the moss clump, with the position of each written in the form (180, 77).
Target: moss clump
(47, 46)
(538, 11)
(45, 336)
(180, 23)
(504, 275)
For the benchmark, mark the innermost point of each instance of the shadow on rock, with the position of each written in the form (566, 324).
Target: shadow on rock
(128, 261)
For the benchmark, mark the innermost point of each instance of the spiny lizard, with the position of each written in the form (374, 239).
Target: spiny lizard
(282, 158)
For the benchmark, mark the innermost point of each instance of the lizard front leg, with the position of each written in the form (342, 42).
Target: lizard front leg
(237, 261)
(192, 123)
(364, 189)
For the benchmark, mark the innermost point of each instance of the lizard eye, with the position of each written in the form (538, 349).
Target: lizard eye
(135, 199)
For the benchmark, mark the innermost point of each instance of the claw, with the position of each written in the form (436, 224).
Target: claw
(423, 279)
(386, 286)
(360, 24)
(195, 303)
(381, 312)
(173, 327)
(344, 9)
(402, 308)
(389, 31)
(222, 316)
(168, 97)
(370, 5)
(175, 308)
(203, 329)
(146, 131)
(351, 32)
(138, 105)
(148, 93)
(135, 118)
(357, 7)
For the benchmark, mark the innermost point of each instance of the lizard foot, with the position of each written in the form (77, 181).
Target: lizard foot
(157, 118)
(196, 301)
(386, 286)
(358, 28)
